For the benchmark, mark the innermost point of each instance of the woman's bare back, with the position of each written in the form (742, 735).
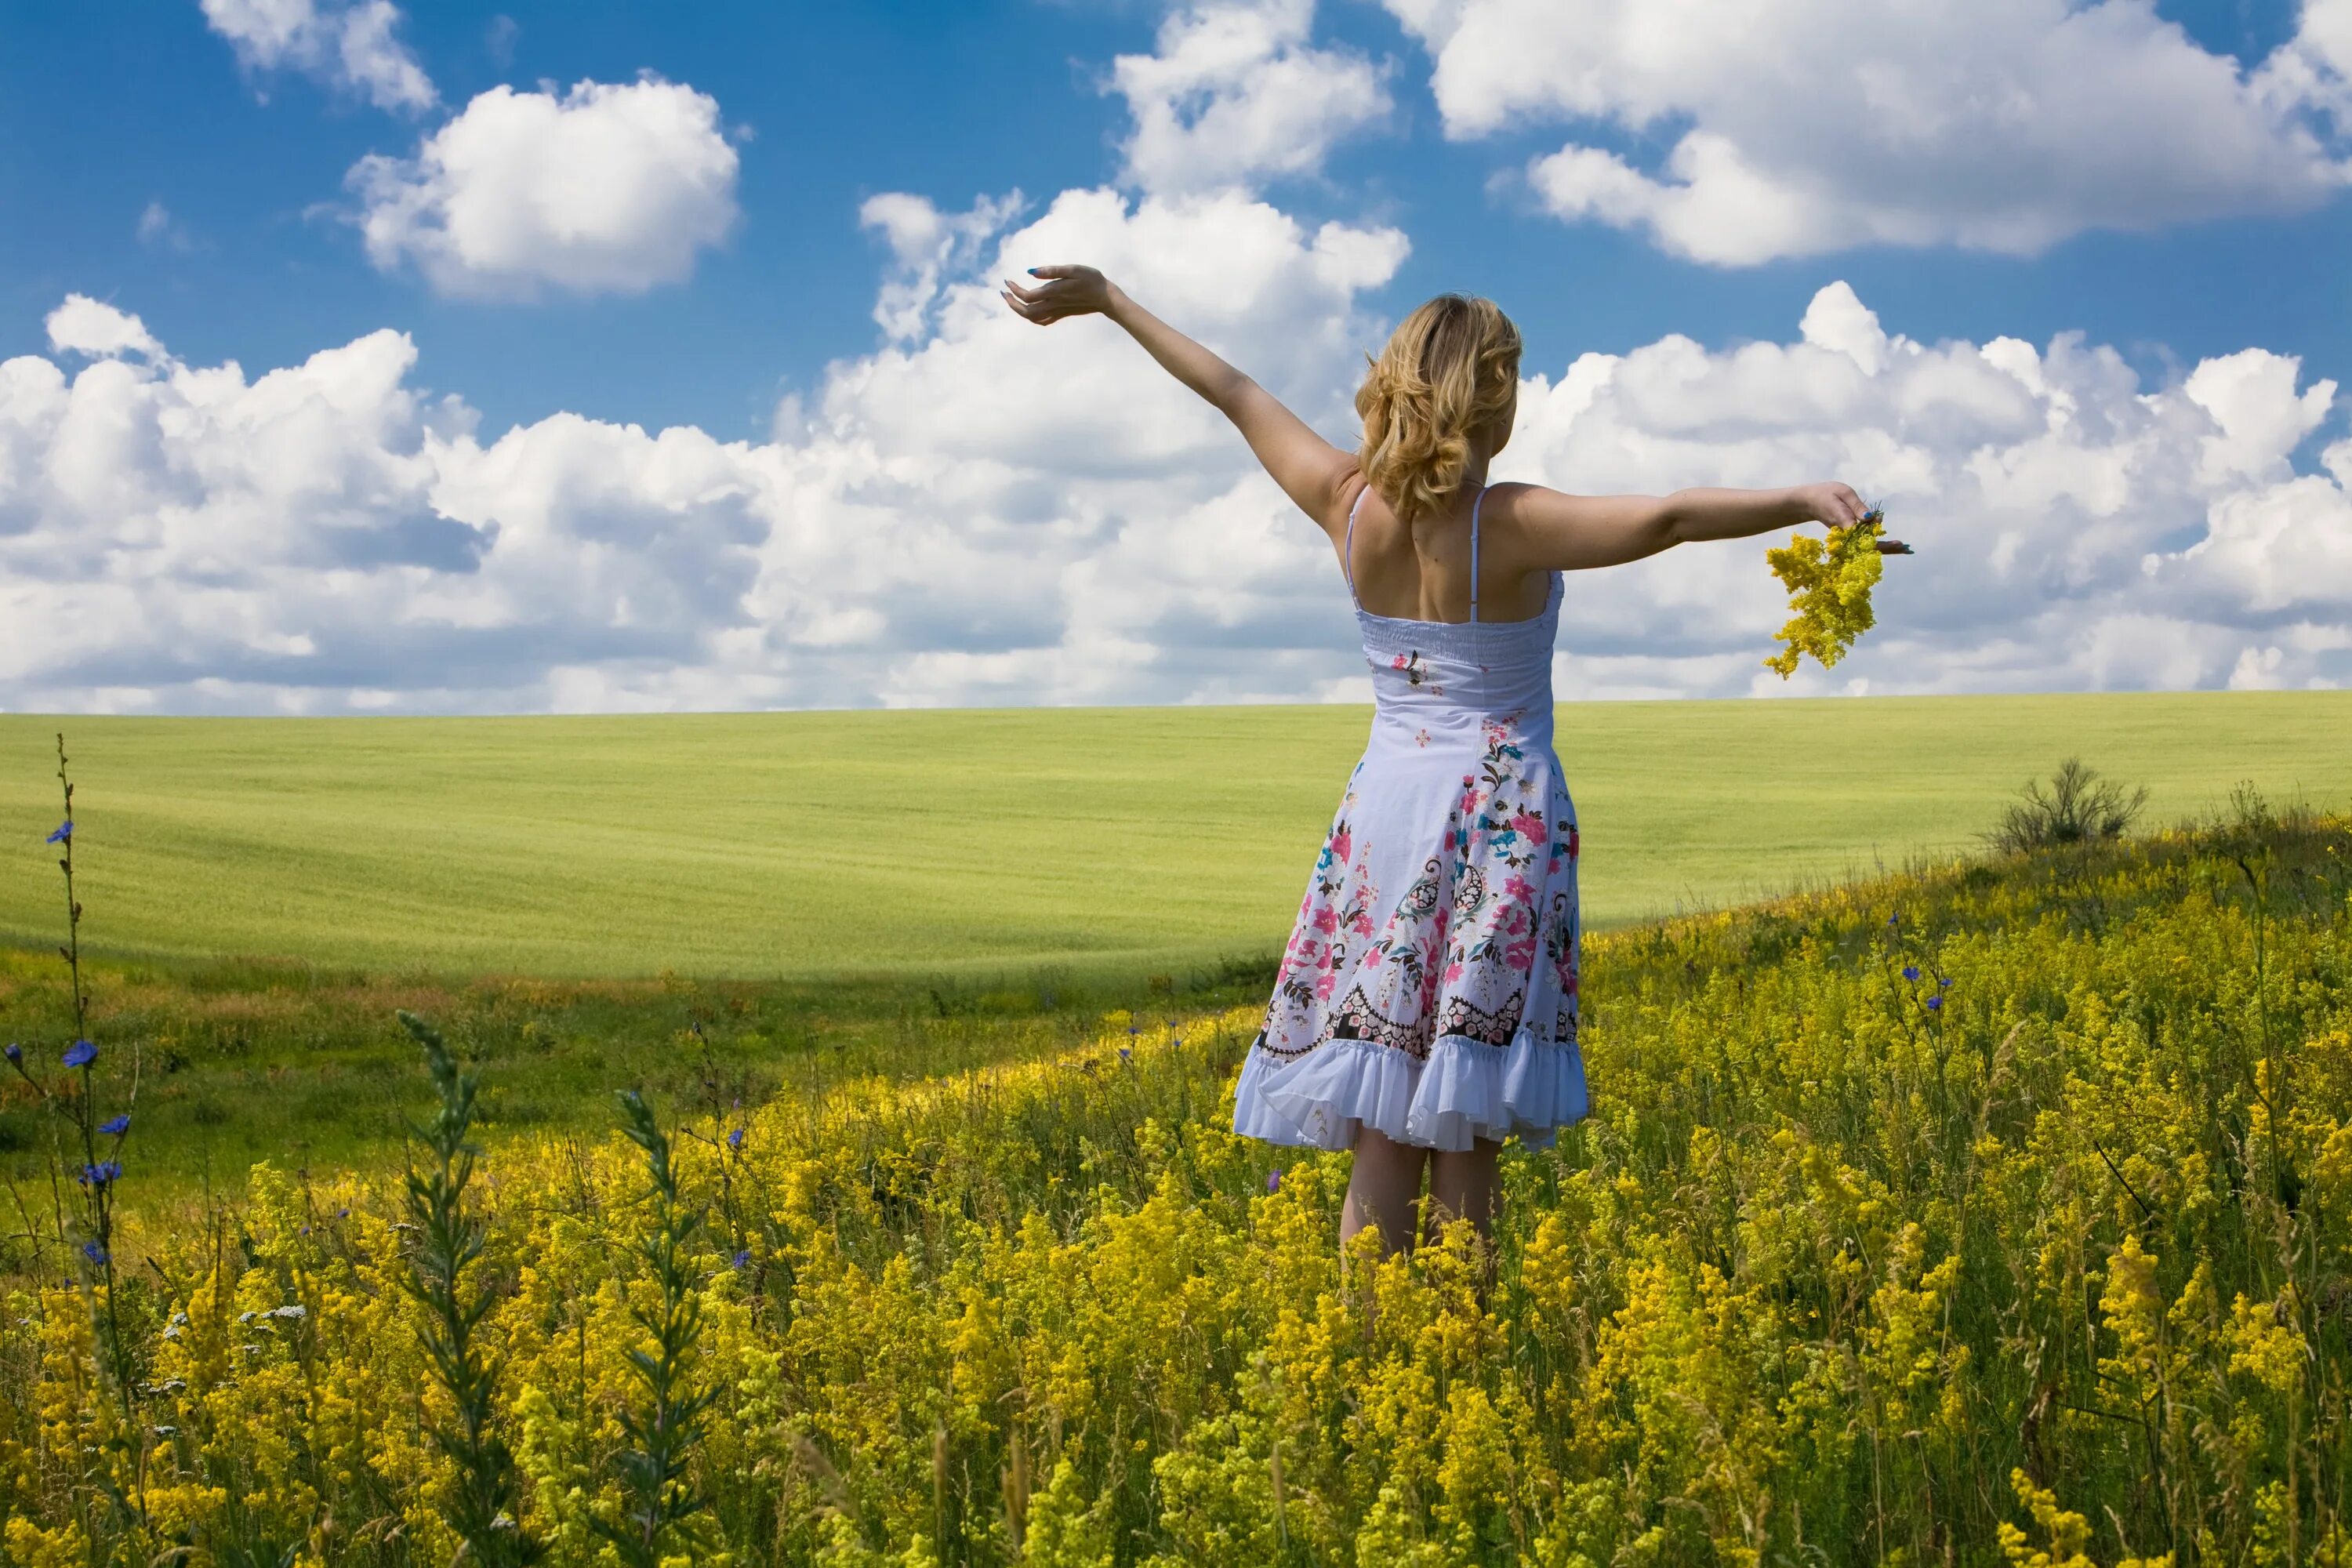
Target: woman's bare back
(1422, 573)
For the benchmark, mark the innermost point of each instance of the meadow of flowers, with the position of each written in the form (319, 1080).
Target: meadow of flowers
(1997, 1213)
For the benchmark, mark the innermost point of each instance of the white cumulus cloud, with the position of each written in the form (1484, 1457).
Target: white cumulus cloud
(86, 326)
(1236, 93)
(607, 188)
(349, 47)
(1799, 127)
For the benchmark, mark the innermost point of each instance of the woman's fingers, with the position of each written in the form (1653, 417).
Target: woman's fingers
(1060, 290)
(1030, 304)
(1046, 294)
(1052, 287)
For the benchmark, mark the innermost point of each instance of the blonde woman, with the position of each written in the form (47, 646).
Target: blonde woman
(1426, 1006)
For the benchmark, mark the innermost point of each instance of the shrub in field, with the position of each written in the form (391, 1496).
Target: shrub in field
(2079, 808)
(2000, 1214)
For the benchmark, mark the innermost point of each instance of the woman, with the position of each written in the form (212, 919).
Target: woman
(1426, 1006)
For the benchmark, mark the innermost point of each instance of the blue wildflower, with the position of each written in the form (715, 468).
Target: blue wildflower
(116, 1126)
(1274, 1180)
(1911, 972)
(1935, 1004)
(342, 1213)
(1941, 984)
(80, 1054)
(1126, 1053)
(64, 832)
(94, 1252)
(743, 1258)
(15, 1054)
(735, 1139)
(1892, 919)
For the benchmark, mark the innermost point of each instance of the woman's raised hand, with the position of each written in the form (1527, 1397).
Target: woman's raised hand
(1063, 292)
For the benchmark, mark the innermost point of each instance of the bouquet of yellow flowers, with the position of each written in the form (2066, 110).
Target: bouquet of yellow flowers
(1829, 582)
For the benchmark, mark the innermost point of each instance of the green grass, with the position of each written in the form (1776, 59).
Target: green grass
(240, 1061)
(826, 845)
(267, 893)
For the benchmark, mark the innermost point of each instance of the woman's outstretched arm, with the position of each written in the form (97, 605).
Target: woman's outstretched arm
(1548, 530)
(1309, 470)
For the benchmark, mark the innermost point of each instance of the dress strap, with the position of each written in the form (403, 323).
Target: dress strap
(1347, 551)
(1475, 502)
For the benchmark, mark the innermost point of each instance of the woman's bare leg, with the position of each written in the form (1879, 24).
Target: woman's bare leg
(1465, 1185)
(1383, 1190)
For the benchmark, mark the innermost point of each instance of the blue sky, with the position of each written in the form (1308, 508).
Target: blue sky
(950, 101)
(172, 168)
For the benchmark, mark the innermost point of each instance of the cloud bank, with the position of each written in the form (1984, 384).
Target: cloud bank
(983, 512)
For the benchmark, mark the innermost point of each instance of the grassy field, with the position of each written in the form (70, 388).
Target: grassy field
(1995, 1213)
(239, 1061)
(976, 843)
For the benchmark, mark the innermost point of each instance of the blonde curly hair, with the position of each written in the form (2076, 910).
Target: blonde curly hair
(1449, 370)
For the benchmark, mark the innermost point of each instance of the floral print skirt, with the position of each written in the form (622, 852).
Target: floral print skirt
(1429, 987)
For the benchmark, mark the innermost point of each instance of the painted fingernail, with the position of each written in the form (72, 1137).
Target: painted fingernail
(1033, 272)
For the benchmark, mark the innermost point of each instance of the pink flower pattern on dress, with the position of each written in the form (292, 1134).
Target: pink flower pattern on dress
(1456, 951)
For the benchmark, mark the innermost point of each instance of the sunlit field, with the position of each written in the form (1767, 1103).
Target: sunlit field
(918, 844)
(1998, 1212)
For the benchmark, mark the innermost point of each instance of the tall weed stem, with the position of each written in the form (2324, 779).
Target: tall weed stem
(448, 1239)
(663, 1424)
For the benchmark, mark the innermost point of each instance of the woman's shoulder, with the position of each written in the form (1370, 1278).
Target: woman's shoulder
(1513, 507)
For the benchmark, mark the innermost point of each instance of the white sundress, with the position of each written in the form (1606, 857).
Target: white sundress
(1428, 988)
